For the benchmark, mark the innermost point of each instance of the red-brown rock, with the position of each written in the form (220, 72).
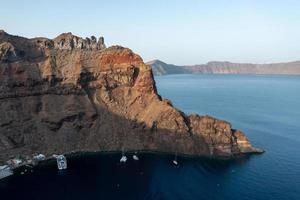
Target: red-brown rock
(62, 95)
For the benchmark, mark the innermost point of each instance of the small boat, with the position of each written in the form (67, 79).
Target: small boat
(135, 157)
(123, 159)
(61, 162)
(175, 159)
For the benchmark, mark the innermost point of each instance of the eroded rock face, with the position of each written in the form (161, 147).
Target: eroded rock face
(71, 94)
(68, 41)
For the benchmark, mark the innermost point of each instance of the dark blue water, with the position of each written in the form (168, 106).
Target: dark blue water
(266, 108)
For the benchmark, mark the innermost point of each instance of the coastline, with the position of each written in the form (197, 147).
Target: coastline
(26, 167)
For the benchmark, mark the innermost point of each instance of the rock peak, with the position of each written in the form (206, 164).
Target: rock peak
(68, 41)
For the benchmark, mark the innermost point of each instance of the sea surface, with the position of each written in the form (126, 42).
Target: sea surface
(266, 108)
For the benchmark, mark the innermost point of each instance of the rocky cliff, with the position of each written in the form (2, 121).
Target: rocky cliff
(72, 94)
(290, 68)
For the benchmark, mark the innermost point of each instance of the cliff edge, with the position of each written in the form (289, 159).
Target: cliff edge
(72, 94)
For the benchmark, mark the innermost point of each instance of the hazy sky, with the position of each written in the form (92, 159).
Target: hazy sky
(179, 32)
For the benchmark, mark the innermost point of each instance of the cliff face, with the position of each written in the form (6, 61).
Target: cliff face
(290, 68)
(73, 94)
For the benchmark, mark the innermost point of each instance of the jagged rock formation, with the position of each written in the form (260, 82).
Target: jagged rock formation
(71, 94)
(69, 42)
(290, 68)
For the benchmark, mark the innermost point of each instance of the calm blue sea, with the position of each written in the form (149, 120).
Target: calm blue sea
(266, 108)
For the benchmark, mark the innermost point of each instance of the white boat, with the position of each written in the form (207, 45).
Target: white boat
(123, 159)
(61, 162)
(39, 157)
(175, 162)
(5, 171)
(135, 157)
(175, 159)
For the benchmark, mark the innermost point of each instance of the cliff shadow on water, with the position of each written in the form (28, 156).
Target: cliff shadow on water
(101, 175)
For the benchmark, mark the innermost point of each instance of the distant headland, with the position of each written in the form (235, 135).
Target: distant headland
(288, 68)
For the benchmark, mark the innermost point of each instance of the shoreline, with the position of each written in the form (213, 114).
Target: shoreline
(25, 166)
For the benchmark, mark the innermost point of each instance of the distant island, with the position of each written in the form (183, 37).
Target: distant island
(288, 68)
(71, 94)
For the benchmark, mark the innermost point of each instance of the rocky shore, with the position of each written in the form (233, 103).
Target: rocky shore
(72, 94)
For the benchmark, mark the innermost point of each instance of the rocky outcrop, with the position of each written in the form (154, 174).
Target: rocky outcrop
(290, 68)
(68, 41)
(71, 94)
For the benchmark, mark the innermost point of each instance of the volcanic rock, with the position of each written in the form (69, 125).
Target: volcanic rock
(74, 95)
